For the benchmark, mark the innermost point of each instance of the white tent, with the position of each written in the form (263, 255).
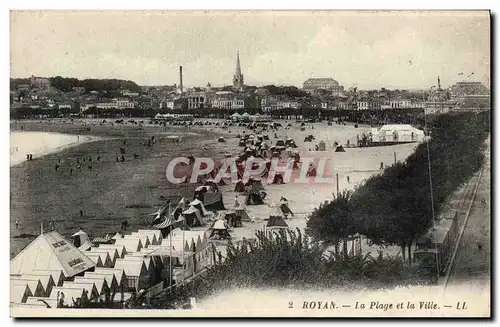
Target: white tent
(96, 258)
(81, 240)
(100, 283)
(145, 240)
(120, 275)
(105, 259)
(110, 278)
(198, 204)
(50, 251)
(153, 234)
(132, 267)
(34, 286)
(131, 244)
(112, 253)
(57, 275)
(69, 294)
(19, 293)
(46, 280)
(119, 248)
(88, 286)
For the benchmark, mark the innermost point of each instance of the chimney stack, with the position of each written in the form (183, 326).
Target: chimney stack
(180, 75)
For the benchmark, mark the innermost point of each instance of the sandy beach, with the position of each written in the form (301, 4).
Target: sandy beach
(115, 191)
(42, 143)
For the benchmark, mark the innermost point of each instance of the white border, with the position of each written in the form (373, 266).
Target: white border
(187, 4)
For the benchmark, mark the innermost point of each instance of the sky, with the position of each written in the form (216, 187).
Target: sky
(368, 50)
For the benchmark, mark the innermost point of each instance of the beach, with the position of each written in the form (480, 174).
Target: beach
(112, 191)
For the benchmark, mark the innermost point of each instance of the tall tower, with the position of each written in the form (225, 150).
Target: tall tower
(238, 76)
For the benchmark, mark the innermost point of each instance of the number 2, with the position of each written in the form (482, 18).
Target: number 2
(290, 305)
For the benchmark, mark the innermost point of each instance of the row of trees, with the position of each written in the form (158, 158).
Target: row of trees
(394, 208)
(66, 84)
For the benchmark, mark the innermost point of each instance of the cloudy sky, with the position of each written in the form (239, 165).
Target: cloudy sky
(363, 49)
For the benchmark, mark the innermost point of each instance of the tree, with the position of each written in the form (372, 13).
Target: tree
(333, 222)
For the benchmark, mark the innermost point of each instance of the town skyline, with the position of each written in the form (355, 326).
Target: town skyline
(280, 48)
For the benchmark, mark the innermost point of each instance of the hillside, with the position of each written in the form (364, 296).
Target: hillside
(66, 84)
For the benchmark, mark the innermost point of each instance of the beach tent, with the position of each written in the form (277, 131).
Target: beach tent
(193, 217)
(19, 293)
(46, 281)
(50, 251)
(241, 212)
(81, 240)
(41, 301)
(113, 254)
(255, 196)
(219, 230)
(240, 186)
(142, 237)
(153, 234)
(113, 247)
(89, 287)
(100, 283)
(132, 244)
(35, 286)
(231, 218)
(136, 272)
(96, 258)
(57, 275)
(110, 279)
(69, 296)
(119, 274)
(105, 259)
(199, 205)
(276, 221)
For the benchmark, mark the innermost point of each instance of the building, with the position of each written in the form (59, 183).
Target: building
(196, 100)
(400, 104)
(313, 85)
(362, 105)
(238, 81)
(228, 103)
(470, 95)
(114, 104)
(40, 84)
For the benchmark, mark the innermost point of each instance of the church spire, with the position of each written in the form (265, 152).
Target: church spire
(238, 67)
(238, 76)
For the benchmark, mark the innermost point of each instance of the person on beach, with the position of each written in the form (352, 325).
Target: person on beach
(17, 223)
(98, 158)
(381, 165)
(71, 171)
(348, 179)
(81, 213)
(57, 167)
(31, 157)
(27, 157)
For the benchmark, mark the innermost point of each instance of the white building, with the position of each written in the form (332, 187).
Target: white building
(227, 103)
(362, 105)
(400, 104)
(397, 133)
(114, 104)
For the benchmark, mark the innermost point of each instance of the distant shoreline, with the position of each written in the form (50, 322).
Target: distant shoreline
(40, 144)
